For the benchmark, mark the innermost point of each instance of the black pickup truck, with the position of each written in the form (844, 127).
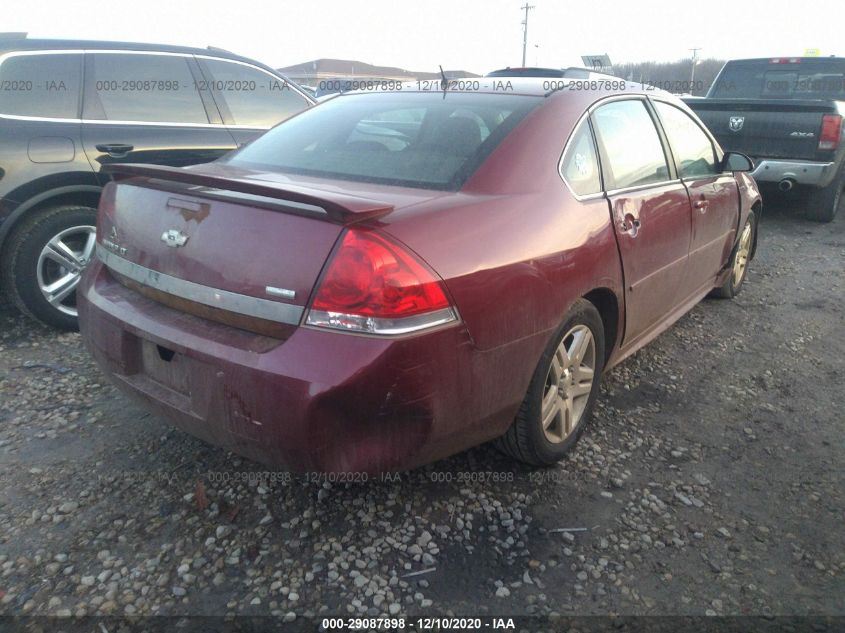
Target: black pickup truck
(785, 113)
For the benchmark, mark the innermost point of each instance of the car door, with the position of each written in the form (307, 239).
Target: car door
(142, 107)
(649, 208)
(714, 196)
(251, 100)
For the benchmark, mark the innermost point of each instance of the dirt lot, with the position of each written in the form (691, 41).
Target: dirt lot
(710, 481)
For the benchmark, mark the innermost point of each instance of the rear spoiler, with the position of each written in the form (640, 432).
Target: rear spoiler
(339, 207)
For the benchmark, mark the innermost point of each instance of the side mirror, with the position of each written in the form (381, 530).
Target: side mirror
(737, 161)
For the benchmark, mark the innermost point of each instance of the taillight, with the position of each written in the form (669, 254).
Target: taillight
(108, 197)
(374, 285)
(831, 131)
(105, 213)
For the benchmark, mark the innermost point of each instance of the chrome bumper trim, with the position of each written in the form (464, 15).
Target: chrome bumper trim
(802, 172)
(223, 299)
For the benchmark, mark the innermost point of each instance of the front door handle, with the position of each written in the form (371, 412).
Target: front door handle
(115, 150)
(702, 205)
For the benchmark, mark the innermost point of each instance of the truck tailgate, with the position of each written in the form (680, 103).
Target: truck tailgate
(766, 128)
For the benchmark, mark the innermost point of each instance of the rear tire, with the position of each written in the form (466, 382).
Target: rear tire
(562, 391)
(822, 204)
(43, 260)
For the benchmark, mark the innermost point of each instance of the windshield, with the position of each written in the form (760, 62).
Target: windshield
(763, 80)
(428, 140)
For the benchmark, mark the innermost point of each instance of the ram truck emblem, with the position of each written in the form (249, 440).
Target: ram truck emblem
(174, 238)
(736, 123)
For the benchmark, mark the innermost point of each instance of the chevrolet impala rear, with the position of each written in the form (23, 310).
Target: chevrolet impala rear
(274, 314)
(390, 278)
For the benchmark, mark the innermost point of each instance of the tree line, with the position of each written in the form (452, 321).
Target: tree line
(672, 76)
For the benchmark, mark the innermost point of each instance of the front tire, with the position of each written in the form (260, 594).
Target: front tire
(43, 261)
(740, 259)
(562, 392)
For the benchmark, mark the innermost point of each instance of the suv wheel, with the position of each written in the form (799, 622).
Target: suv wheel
(43, 262)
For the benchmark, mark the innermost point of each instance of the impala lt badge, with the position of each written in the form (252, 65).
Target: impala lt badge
(112, 242)
(174, 238)
(736, 123)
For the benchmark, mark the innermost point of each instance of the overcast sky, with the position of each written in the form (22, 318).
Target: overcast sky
(475, 35)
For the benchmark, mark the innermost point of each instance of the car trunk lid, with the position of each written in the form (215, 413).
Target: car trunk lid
(223, 247)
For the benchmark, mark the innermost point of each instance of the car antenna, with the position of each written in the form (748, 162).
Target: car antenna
(444, 83)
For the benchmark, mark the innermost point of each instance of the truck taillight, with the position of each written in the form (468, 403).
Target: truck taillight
(831, 131)
(785, 60)
(374, 285)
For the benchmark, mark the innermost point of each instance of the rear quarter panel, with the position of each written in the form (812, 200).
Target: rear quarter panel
(36, 158)
(515, 247)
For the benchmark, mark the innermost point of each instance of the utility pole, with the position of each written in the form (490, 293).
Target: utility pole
(694, 62)
(525, 8)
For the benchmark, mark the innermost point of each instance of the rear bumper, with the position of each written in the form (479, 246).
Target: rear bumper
(809, 173)
(319, 400)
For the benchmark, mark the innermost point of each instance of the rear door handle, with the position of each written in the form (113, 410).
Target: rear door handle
(702, 205)
(117, 150)
(630, 225)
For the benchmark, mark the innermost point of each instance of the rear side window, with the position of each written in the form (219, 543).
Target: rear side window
(693, 150)
(580, 165)
(144, 88)
(254, 97)
(632, 153)
(803, 80)
(415, 139)
(44, 85)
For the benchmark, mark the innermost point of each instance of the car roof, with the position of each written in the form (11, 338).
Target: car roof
(10, 44)
(597, 83)
(570, 72)
(527, 71)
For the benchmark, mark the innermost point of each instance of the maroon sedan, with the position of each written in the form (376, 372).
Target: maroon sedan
(393, 277)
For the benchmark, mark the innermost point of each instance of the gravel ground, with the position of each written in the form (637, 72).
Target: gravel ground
(709, 482)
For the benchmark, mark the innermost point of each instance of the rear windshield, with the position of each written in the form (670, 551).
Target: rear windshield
(765, 80)
(427, 140)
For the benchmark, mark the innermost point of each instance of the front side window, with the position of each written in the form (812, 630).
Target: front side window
(43, 85)
(630, 144)
(144, 88)
(580, 165)
(692, 148)
(254, 97)
(428, 140)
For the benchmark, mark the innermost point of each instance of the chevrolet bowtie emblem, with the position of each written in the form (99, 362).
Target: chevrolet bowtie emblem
(174, 238)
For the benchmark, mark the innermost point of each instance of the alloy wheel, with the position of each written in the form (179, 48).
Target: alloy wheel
(60, 266)
(569, 383)
(742, 253)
